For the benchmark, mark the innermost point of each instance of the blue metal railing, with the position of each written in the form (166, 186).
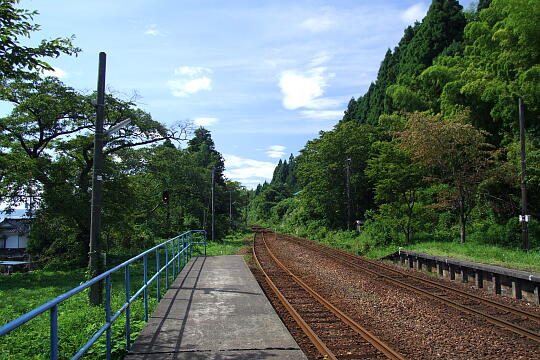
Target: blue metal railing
(181, 250)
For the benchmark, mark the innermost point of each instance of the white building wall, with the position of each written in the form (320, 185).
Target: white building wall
(12, 242)
(23, 242)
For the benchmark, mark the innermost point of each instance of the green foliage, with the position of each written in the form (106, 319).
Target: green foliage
(432, 141)
(77, 321)
(48, 143)
(21, 61)
(442, 26)
(283, 185)
(499, 64)
(229, 245)
(397, 181)
(322, 169)
(405, 99)
(50, 132)
(454, 153)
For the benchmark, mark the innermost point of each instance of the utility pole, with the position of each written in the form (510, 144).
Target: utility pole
(230, 209)
(95, 265)
(166, 198)
(213, 223)
(348, 165)
(524, 218)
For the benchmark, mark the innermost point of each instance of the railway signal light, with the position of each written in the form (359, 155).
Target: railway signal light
(166, 196)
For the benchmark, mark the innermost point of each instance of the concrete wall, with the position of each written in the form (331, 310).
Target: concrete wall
(496, 279)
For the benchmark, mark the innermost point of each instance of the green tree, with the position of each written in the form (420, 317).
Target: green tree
(281, 172)
(455, 154)
(20, 61)
(442, 26)
(49, 142)
(292, 178)
(397, 180)
(483, 4)
(322, 173)
(377, 100)
(203, 145)
(499, 64)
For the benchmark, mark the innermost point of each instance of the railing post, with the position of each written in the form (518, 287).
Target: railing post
(166, 265)
(157, 278)
(190, 246)
(108, 315)
(178, 254)
(183, 252)
(173, 260)
(128, 312)
(54, 332)
(145, 291)
(180, 251)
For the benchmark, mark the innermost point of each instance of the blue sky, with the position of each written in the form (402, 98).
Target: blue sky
(263, 76)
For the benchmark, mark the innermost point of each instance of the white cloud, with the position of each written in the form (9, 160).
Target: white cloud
(56, 71)
(321, 58)
(277, 147)
(192, 79)
(152, 30)
(192, 70)
(322, 114)
(205, 121)
(183, 88)
(299, 89)
(324, 103)
(249, 172)
(275, 151)
(192, 86)
(318, 24)
(415, 12)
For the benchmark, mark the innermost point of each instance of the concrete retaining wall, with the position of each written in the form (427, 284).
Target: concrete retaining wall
(497, 279)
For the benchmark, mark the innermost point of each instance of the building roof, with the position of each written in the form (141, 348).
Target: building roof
(21, 226)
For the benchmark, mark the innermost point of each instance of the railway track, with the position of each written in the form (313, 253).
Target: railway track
(510, 318)
(335, 335)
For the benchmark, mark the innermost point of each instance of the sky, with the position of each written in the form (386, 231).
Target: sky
(264, 77)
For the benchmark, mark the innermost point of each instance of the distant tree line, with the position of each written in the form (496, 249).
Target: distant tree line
(434, 142)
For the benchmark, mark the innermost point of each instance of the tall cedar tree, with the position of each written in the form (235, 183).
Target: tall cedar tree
(209, 157)
(375, 102)
(442, 26)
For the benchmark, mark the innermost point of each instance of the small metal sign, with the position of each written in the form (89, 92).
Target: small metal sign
(524, 218)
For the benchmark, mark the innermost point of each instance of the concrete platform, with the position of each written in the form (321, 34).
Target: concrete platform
(215, 310)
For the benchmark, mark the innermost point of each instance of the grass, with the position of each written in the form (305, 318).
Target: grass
(22, 292)
(471, 251)
(482, 253)
(77, 321)
(230, 245)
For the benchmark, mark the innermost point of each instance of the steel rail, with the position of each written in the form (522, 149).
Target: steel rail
(319, 344)
(499, 322)
(495, 304)
(367, 335)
